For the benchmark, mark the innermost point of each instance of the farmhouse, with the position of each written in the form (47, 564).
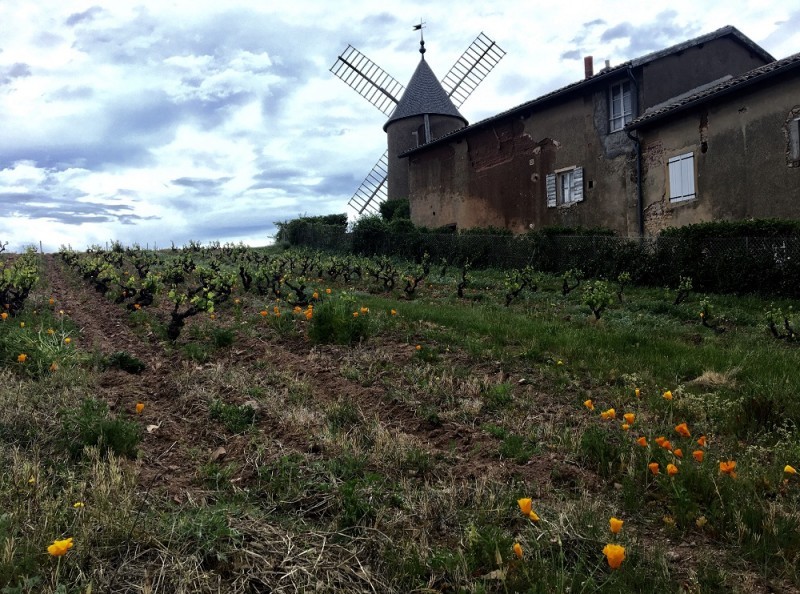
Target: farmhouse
(706, 129)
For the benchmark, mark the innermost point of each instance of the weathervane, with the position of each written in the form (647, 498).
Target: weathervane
(419, 28)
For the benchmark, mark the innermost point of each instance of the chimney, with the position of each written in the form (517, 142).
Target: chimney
(608, 64)
(588, 66)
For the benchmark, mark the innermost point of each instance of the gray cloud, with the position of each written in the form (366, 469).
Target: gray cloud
(85, 16)
(664, 30)
(201, 184)
(16, 70)
(66, 210)
(571, 55)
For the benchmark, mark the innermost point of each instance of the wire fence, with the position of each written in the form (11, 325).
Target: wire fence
(766, 265)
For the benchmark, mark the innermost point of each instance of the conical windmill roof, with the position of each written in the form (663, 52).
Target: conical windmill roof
(424, 94)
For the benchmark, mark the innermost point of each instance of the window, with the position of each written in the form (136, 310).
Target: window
(681, 178)
(794, 140)
(620, 106)
(565, 186)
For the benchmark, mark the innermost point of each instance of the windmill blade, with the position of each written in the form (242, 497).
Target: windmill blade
(368, 79)
(372, 190)
(471, 68)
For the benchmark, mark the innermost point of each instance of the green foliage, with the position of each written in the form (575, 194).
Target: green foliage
(124, 361)
(748, 228)
(296, 231)
(399, 208)
(237, 418)
(339, 320)
(602, 451)
(92, 425)
(597, 295)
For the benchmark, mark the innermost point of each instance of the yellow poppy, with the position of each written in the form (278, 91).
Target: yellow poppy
(518, 550)
(534, 517)
(702, 441)
(698, 455)
(615, 525)
(668, 395)
(789, 469)
(588, 404)
(60, 547)
(678, 452)
(139, 407)
(22, 357)
(629, 418)
(615, 555)
(642, 441)
(525, 505)
(672, 470)
(638, 392)
(683, 430)
(728, 468)
(653, 466)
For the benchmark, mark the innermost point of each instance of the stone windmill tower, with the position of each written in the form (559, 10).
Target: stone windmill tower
(424, 110)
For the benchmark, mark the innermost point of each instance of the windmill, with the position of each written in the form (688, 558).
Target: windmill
(389, 177)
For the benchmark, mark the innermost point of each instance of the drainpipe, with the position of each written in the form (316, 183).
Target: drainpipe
(637, 143)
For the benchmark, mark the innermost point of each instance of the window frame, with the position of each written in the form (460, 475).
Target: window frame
(616, 123)
(565, 186)
(794, 139)
(681, 172)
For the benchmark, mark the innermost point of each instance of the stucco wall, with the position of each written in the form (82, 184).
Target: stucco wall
(672, 75)
(740, 146)
(496, 175)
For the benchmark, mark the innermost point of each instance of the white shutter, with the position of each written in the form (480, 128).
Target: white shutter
(687, 175)
(674, 178)
(551, 190)
(794, 139)
(576, 191)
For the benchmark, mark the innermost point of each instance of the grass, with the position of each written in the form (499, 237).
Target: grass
(360, 463)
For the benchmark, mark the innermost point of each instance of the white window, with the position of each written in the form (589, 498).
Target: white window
(565, 186)
(681, 177)
(620, 106)
(794, 140)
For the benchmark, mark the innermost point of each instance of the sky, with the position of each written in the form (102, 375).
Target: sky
(161, 122)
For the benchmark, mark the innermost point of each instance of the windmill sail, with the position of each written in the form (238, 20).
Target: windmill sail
(372, 190)
(383, 91)
(471, 68)
(368, 79)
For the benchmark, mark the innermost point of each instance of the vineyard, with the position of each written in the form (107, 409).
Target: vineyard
(229, 419)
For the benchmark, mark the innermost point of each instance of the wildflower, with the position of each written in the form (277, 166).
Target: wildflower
(728, 468)
(53, 366)
(683, 430)
(50, 331)
(672, 470)
(51, 301)
(629, 417)
(213, 316)
(355, 314)
(609, 414)
(638, 392)
(698, 455)
(625, 426)
(61, 312)
(642, 442)
(4, 315)
(67, 340)
(264, 313)
(789, 469)
(32, 481)
(297, 309)
(139, 407)
(276, 310)
(702, 441)
(418, 347)
(327, 291)
(660, 439)
(21, 358)
(518, 550)
(137, 306)
(653, 466)
(534, 517)
(394, 312)
(678, 452)
(616, 525)
(701, 521)
(237, 301)
(525, 505)
(59, 548)
(315, 295)
(666, 444)
(22, 324)
(559, 362)
(77, 504)
(615, 555)
(364, 310)
(588, 404)
(669, 521)
(309, 313)
(667, 395)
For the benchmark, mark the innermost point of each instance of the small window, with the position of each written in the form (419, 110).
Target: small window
(794, 140)
(565, 186)
(681, 178)
(620, 106)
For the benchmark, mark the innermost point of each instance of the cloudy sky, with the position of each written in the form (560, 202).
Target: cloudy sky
(165, 121)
